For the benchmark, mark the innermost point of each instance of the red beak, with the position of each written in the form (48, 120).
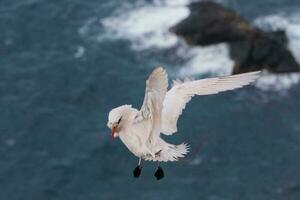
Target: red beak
(113, 130)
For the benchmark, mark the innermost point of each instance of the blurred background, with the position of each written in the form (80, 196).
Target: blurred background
(65, 64)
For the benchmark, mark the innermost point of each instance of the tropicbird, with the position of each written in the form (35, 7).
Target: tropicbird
(140, 129)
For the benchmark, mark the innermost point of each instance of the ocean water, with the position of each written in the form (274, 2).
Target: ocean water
(65, 64)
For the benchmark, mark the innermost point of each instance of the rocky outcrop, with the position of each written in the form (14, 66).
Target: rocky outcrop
(250, 48)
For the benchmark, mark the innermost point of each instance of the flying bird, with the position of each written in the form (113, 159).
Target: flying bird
(140, 130)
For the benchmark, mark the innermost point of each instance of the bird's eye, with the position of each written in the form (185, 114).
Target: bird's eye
(119, 120)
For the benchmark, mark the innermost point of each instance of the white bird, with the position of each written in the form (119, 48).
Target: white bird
(140, 129)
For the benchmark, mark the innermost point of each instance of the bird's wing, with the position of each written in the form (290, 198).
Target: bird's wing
(182, 92)
(156, 89)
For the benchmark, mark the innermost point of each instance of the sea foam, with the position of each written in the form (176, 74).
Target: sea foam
(147, 27)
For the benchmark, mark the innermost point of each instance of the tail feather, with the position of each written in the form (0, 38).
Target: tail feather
(170, 152)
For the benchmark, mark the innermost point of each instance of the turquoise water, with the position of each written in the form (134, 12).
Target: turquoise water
(58, 81)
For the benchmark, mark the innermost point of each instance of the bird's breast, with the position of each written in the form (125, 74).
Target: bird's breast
(135, 139)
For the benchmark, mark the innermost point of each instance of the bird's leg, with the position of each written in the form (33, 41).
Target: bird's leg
(137, 171)
(159, 174)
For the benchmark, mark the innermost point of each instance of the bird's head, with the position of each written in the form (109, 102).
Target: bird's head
(116, 117)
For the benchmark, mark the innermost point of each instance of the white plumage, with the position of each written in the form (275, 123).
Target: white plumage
(140, 130)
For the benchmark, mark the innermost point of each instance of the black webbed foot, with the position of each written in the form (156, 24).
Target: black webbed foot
(137, 171)
(159, 174)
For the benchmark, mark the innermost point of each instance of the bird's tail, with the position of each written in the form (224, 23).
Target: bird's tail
(170, 152)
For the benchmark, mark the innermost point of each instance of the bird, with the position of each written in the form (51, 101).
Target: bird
(140, 130)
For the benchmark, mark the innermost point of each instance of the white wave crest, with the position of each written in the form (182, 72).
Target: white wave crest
(147, 27)
(212, 59)
(171, 2)
(277, 82)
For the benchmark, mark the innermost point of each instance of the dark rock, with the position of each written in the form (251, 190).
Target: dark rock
(211, 23)
(263, 51)
(250, 48)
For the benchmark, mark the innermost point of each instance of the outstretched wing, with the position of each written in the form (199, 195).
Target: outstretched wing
(156, 89)
(182, 92)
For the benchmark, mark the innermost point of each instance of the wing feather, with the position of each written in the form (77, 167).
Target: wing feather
(156, 89)
(182, 92)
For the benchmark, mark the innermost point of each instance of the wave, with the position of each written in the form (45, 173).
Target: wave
(146, 26)
(277, 82)
(212, 59)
